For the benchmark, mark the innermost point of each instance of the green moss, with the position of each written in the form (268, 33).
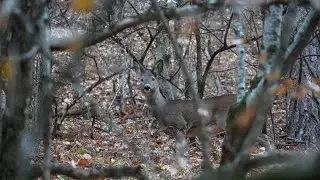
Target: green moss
(233, 111)
(240, 106)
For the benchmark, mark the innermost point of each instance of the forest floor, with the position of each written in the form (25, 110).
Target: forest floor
(132, 141)
(136, 145)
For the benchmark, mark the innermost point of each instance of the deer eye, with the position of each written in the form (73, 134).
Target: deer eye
(152, 79)
(141, 79)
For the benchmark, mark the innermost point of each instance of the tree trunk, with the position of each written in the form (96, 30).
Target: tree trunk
(303, 117)
(21, 38)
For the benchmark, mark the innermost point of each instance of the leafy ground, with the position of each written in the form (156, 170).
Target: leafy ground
(138, 144)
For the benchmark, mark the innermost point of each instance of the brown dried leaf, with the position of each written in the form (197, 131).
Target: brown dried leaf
(288, 83)
(273, 76)
(82, 5)
(300, 92)
(75, 45)
(279, 90)
(317, 81)
(262, 58)
(5, 68)
(84, 163)
(136, 162)
(282, 88)
(245, 118)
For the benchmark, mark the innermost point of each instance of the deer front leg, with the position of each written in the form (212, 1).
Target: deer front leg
(181, 149)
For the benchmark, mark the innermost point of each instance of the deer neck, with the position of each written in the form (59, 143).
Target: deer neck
(156, 99)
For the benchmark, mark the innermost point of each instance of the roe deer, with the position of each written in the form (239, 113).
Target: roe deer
(182, 115)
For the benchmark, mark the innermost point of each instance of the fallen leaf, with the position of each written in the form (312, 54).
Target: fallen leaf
(245, 118)
(262, 58)
(136, 162)
(273, 76)
(82, 5)
(300, 92)
(84, 163)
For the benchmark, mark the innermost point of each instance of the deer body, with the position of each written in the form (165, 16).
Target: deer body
(182, 115)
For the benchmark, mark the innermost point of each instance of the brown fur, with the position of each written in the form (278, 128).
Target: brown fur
(182, 114)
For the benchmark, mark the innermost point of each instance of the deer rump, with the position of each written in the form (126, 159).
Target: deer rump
(182, 115)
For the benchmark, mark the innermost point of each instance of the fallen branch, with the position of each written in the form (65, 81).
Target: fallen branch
(78, 173)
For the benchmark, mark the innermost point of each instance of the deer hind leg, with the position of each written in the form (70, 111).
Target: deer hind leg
(181, 149)
(191, 134)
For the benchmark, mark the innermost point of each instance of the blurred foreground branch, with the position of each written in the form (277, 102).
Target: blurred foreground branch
(77, 173)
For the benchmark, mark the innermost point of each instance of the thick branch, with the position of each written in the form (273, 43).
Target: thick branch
(302, 167)
(90, 39)
(271, 159)
(77, 173)
(58, 44)
(301, 40)
(209, 63)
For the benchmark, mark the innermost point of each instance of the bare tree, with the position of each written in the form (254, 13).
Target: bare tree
(25, 34)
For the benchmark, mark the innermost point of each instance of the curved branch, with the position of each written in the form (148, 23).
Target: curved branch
(209, 63)
(227, 31)
(301, 40)
(58, 44)
(86, 91)
(272, 158)
(77, 173)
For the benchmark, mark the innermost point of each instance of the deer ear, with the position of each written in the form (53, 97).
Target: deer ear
(158, 67)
